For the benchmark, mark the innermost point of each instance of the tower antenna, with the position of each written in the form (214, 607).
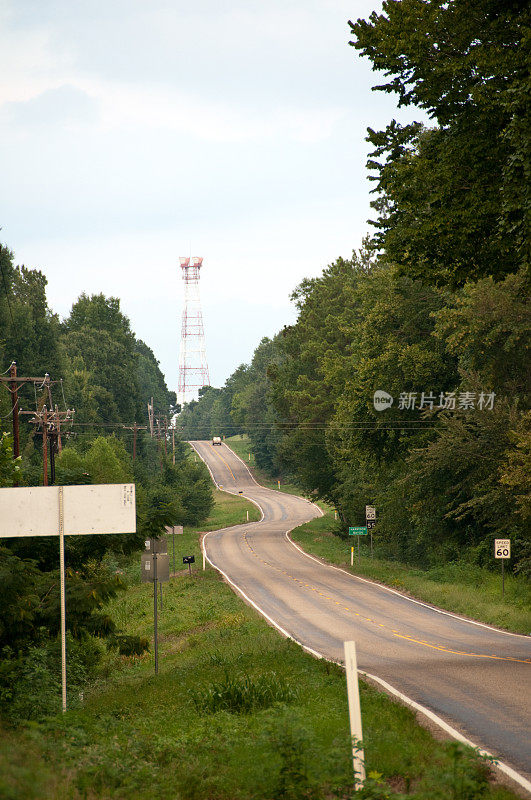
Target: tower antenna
(193, 367)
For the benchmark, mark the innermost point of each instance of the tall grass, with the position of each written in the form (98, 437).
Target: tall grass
(242, 694)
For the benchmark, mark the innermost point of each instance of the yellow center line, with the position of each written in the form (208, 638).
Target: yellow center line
(439, 647)
(460, 652)
(229, 469)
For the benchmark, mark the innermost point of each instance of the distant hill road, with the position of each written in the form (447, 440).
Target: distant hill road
(476, 678)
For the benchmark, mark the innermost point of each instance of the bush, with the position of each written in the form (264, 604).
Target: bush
(30, 684)
(244, 694)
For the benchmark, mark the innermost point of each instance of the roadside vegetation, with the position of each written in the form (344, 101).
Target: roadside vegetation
(101, 369)
(235, 712)
(461, 587)
(404, 383)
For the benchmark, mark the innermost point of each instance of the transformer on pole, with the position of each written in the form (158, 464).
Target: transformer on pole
(193, 367)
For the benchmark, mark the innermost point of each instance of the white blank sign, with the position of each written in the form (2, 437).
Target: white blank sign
(98, 508)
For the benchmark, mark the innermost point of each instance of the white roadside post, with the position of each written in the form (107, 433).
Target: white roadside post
(354, 710)
(62, 510)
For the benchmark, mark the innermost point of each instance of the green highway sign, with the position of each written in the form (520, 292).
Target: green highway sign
(357, 531)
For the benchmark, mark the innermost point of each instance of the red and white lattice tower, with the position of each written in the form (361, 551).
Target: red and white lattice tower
(193, 367)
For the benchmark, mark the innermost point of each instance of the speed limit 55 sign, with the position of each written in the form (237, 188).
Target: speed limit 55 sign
(502, 548)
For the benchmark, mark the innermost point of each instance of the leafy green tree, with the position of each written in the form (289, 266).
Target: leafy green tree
(107, 461)
(453, 200)
(9, 467)
(151, 381)
(98, 333)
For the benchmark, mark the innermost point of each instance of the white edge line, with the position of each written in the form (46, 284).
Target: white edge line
(455, 734)
(509, 771)
(400, 594)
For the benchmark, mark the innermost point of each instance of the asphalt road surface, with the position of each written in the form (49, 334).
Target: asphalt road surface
(476, 678)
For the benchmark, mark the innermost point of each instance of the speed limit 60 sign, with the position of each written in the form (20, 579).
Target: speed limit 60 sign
(502, 548)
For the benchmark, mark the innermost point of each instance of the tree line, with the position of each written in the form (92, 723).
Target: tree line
(108, 376)
(432, 311)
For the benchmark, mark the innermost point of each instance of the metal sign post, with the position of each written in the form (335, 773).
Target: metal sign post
(174, 529)
(155, 569)
(502, 550)
(370, 521)
(358, 531)
(62, 511)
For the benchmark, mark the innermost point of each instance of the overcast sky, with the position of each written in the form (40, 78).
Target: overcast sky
(132, 133)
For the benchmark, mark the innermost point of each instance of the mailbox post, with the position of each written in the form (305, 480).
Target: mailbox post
(189, 560)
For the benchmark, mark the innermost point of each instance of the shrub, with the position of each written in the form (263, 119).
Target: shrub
(244, 694)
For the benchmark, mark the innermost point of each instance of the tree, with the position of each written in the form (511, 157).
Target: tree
(453, 201)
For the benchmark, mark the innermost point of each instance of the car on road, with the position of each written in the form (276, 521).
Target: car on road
(216, 440)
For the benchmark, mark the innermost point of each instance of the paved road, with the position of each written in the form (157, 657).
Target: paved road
(476, 678)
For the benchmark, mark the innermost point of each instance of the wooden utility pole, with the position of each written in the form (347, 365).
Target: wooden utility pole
(165, 436)
(58, 430)
(150, 417)
(13, 388)
(135, 428)
(173, 445)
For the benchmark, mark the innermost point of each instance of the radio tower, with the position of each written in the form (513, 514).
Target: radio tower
(193, 367)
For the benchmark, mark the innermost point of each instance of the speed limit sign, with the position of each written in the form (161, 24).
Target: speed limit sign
(502, 548)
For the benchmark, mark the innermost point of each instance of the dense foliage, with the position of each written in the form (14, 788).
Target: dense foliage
(108, 376)
(453, 200)
(433, 310)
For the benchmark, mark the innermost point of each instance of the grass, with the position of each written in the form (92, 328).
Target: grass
(461, 587)
(235, 712)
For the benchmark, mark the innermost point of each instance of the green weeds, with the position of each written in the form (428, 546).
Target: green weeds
(243, 694)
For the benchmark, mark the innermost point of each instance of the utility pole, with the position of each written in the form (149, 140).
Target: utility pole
(165, 436)
(58, 430)
(49, 420)
(13, 388)
(135, 428)
(150, 417)
(159, 449)
(173, 445)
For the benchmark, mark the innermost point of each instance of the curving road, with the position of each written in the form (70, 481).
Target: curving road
(474, 677)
